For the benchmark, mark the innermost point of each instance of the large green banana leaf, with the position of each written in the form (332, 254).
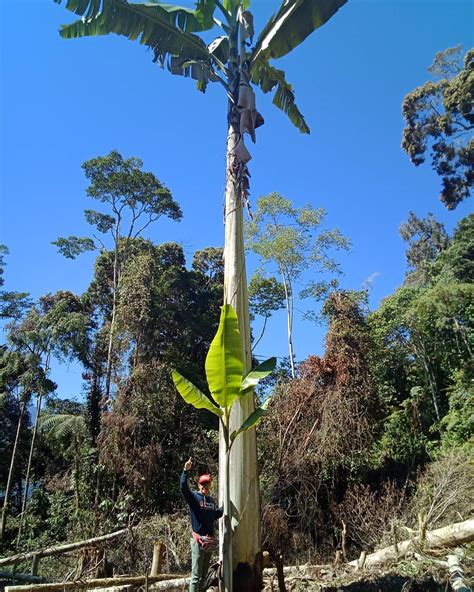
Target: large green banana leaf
(167, 30)
(192, 395)
(224, 364)
(261, 371)
(290, 26)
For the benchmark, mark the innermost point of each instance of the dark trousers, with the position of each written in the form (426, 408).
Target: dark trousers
(200, 564)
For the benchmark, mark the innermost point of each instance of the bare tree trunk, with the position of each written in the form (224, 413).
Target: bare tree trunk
(77, 475)
(28, 469)
(289, 315)
(10, 472)
(108, 372)
(244, 491)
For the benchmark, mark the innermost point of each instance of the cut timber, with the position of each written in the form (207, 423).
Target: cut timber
(61, 548)
(177, 584)
(84, 584)
(453, 535)
(156, 565)
(116, 589)
(361, 560)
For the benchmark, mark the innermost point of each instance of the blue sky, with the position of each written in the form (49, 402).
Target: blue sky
(64, 102)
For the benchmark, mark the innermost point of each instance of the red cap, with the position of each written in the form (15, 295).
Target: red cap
(203, 479)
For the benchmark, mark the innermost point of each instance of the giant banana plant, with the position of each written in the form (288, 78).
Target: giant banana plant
(239, 64)
(227, 384)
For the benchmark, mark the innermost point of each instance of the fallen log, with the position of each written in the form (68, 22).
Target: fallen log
(89, 584)
(297, 569)
(58, 549)
(21, 577)
(453, 535)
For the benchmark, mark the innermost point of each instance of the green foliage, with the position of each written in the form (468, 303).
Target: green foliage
(405, 435)
(267, 78)
(166, 316)
(121, 183)
(224, 369)
(193, 395)
(424, 341)
(224, 365)
(135, 197)
(266, 295)
(292, 239)
(73, 246)
(426, 239)
(170, 33)
(13, 305)
(67, 428)
(10, 409)
(456, 262)
(457, 426)
(209, 262)
(289, 27)
(439, 118)
(285, 30)
(255, 376)
(3, 251)
(56, 325)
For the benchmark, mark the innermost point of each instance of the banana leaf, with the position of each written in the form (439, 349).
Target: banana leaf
(224, 365)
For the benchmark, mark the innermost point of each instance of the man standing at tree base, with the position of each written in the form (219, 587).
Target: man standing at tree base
(203, 512)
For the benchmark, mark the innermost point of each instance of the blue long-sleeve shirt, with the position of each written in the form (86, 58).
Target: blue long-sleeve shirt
(203, 509)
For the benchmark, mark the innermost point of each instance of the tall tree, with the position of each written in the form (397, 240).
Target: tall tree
(170, 32)
(166, 316)
(291, 240)
(439, 118)
(426, 238)
(56, 326)
(13, 305)
(21, 375)
(425, 332)
(136, 199)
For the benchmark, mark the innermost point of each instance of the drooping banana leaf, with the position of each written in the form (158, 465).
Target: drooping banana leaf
(167, 30)
(192, 395)
(267, 77)
(219, 48)
(202, 70)
(290, 26)
(224, 364)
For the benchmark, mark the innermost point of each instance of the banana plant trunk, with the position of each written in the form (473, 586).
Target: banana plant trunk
(243, 472)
